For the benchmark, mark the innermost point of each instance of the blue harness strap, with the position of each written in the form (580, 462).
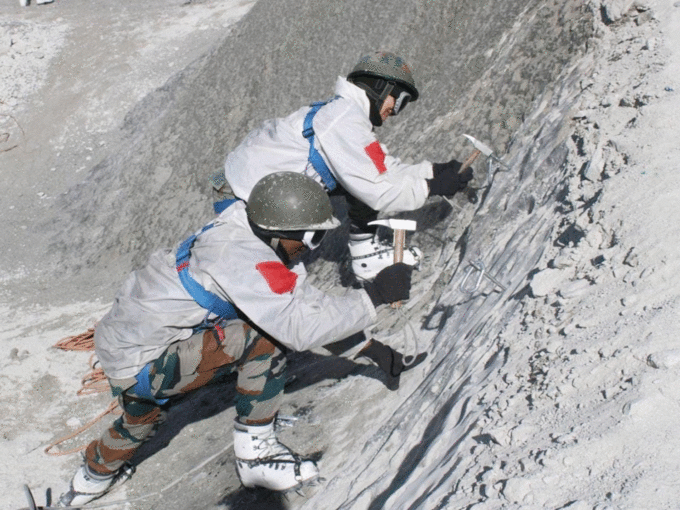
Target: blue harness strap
(143, 386)
(203, 297)
(315, 157)
(221, 205)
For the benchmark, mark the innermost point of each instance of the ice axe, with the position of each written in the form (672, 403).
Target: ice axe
(399, 227)
(480, 148)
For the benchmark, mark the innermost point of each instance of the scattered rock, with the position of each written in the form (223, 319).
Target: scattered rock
(614, 10)
(577, 505)
(664, 359)
(593, 170)
(16, 355)
(650, 44)
(548, 281)
(74, 423)
(629, 300)
(522, 433)
(516, 490)
(645, 407)
(598, 261)
(643, 18)
(607, 101)
(606, 351)
(565, 258)
(631, 258)
(626, 103)
(574, 289)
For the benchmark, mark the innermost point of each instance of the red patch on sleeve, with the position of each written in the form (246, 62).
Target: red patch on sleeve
(377, 155)
(279, 278)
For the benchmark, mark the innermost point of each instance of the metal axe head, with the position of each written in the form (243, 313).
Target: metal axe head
(483, 148)
(396, 224)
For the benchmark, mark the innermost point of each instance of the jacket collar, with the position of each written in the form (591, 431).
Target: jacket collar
(350, 91)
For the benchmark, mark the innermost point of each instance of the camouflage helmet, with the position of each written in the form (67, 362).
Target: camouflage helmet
(388, 66)
(288, 201)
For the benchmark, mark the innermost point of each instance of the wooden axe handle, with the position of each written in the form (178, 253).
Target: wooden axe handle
(399, 241)
(470, 160)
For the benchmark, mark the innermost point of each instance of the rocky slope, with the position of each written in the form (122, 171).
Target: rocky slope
(556, 391)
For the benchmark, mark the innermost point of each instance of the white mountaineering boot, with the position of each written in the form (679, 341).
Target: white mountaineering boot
(261, 461)
(370, 255)
(87, 486)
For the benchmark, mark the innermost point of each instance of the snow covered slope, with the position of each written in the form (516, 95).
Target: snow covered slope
(557, 391)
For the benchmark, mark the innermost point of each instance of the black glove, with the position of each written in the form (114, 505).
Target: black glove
(391, 285)
(390, 361)
(447, 181)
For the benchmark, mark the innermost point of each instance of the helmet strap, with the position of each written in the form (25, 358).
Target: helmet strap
(377, 90)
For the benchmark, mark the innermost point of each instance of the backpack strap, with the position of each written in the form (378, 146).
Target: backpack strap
(315, 157)
(203, 297)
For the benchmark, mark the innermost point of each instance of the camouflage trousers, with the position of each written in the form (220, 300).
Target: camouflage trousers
(186, 366)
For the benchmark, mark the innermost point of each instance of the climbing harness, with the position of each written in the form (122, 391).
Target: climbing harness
(477, 266)
(206, 299)
(143, 386)
(315, 157)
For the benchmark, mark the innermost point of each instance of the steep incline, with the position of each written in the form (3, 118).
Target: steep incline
(556, 388)
(507, 76)
(479, 67)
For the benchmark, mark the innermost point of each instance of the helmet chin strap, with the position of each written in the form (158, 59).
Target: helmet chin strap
(376, 99)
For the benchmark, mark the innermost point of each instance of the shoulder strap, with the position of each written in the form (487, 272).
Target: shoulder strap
(315, 157)
(203, 297)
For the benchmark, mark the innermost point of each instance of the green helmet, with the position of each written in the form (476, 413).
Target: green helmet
(380, 75)
(388, 66)
(288, 201)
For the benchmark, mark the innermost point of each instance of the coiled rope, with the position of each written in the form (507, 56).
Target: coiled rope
(92, 382)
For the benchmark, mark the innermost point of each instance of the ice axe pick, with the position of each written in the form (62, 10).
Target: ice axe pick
(480, 148)
(399, 227)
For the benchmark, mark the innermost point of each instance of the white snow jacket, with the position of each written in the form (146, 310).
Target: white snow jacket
(345, 139)
(153, 310)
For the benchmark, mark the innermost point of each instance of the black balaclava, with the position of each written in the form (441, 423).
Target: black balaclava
(377, 91)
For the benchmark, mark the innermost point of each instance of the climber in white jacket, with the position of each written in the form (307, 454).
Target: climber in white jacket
(230, 298)
(335, 144)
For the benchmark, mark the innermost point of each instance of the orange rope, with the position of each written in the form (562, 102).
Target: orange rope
(94, 381)
(112, 406)
(82, 342)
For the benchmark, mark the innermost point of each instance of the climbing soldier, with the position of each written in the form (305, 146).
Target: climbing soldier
(232, 298)
(334, 143)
